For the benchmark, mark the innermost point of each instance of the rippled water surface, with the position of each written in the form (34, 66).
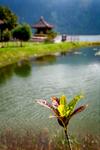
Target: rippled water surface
(67, 74)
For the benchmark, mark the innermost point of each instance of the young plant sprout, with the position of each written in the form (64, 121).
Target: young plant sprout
(63, 111)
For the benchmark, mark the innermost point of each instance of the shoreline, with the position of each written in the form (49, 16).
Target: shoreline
(12, 53)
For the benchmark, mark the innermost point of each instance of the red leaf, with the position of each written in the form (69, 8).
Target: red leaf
(78, 110)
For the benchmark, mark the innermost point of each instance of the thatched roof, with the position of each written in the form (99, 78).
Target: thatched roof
(42, 24)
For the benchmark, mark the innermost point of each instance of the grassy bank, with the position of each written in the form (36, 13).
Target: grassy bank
(42, 141)
(12, 52)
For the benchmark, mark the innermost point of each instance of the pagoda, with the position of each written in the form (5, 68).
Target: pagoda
(42, 27)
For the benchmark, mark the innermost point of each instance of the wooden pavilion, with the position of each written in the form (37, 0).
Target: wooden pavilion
(42, 27)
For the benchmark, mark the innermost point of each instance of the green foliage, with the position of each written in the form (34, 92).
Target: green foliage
(63, 100)
(6, 35)
(9, 18)
(67, 109)
(22, 32)
(63, 111)
(50, 36)
(73, 103)
(62, 106)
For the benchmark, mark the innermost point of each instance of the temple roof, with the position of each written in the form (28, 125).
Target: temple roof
(42, 24)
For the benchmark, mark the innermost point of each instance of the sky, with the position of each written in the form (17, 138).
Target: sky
(65, 14)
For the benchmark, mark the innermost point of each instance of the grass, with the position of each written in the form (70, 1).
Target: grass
(11, 52)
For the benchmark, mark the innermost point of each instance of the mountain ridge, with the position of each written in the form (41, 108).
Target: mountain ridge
(68, 16)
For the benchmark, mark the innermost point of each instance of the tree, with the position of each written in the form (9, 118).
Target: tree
(9, 18)
(6, 35)
(22, 33)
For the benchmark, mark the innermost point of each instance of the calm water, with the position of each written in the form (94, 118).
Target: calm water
(84, 38)
(68, 74)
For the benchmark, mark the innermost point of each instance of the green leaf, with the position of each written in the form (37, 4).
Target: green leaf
(62, 110)
(67, 110)
(72, 104)
(63, 100)
(62, 106)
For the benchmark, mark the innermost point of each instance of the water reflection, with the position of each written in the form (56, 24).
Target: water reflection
(23, 69)
(63, 53)
(6, 73)
(83, 57)
(45, 59)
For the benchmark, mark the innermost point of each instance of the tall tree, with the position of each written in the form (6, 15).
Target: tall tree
(8, 17)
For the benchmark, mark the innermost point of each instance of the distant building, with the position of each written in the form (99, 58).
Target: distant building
(42, 27)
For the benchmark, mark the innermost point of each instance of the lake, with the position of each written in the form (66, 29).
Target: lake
(78, 38)
(70, 74)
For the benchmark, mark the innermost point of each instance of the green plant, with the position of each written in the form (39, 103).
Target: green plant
(63, 111)
(50, 36)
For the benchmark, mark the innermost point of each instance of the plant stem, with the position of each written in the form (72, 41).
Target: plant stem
(66, 134)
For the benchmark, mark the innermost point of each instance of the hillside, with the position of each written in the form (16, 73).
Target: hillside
(68, 16)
